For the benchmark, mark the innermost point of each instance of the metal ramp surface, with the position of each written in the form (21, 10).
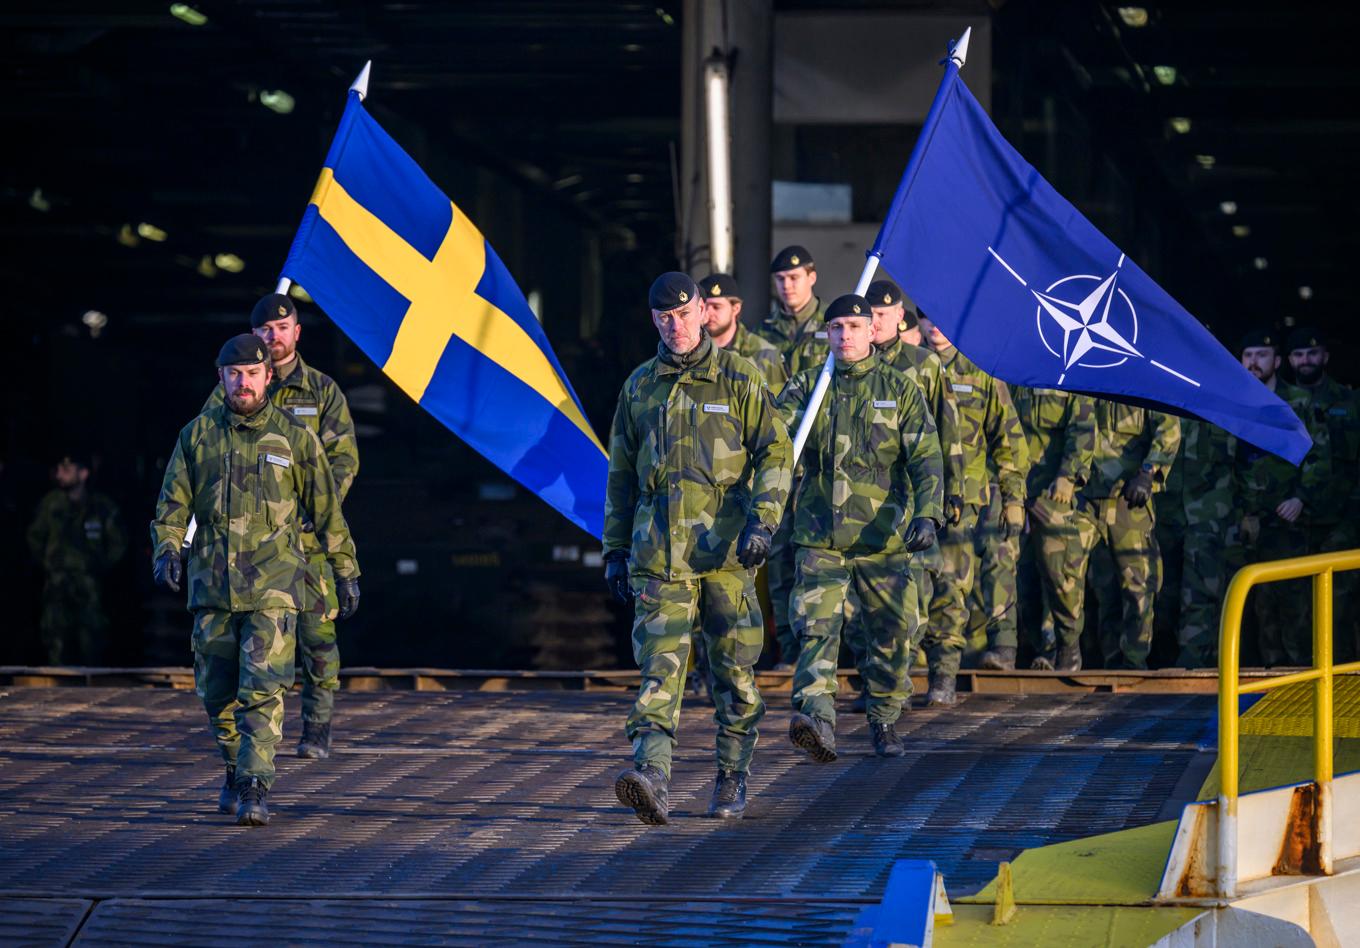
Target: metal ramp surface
(452, 817)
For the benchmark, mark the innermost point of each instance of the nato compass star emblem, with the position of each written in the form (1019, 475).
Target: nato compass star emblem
(1087, 321)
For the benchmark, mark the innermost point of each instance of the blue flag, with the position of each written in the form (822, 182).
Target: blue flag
(1028, 289)
(414, 283)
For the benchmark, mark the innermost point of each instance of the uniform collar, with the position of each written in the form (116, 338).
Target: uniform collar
(800, 318)
(295, 377)
(888, 351)
(855, 370)
(703, 365)
(256, 421)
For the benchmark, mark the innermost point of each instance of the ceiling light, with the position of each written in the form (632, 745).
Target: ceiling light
(151, 232)
(38, 201)
(182, 11)
(1241, 230)
(1166, 75)
(632, 48)
(1260, 263)
(1228, 207)
(1206, 161)
(1305, 292)
(1180, 125)
(94, 321)
(634, 178)
(277, 100)
(298, 293)
(127, 236)
(229, 262)
(665, 17)
(1136, 17)
(206, 267)
(567, 181)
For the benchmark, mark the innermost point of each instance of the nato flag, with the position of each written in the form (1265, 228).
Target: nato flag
(1028, 289)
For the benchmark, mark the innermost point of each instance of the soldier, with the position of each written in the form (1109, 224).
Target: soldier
(987, 423)
(722, 319)
(1060, 430)
(1135, 448)
(698, 478)
(1210, 515)
(314, 399)
(1269, 493)
(75, 537)
(253, 478)
(993, 623)
(871, 496)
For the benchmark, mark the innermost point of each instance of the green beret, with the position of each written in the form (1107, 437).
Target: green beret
(671, 290)
(1259, 338)
(883, 293)
(274, 306)
(719, 284)
(789, 258)
(244, 349)
(1305, 337)
(849, 305)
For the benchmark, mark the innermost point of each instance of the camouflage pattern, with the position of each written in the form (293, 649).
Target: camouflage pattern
(874, 591)
(988, 432)
(313, 398)
(1170, 530)
(800, 337)
(243, 663)
(1209, 512)
(75, 542)
(1060, 432)
(250, 481)
(695, 453)
(1329, 471)
(1125, 565)
(780, 571)
(992, 601)
(768, 359)
(925, 369)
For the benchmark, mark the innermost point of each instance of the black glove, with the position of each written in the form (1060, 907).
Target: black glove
(953, 510)
(616, 576)
(347, 591)
(1138, 489)
(307, 525)
(168, 570)
(754, 545)
(920, 534)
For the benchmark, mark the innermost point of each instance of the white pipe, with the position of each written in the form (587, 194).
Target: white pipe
(719, 166)
(1227, 847)
(824, 377)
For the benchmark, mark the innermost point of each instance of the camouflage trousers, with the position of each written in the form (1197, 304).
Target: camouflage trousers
(992, 619)
(723, 608)
(830, 590)
(73, 621)
(243, 663)
(780, 572)
(1126, 572)
(1284, 610)
(943, 639)
(1059, 545)
(1208, 560)
(318, 650)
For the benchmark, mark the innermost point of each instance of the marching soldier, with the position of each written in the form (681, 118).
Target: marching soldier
(871, 496)
(698, 478)
(253, 478)
(722, 319)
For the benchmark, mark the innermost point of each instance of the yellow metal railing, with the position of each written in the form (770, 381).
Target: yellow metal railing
(1320, 567)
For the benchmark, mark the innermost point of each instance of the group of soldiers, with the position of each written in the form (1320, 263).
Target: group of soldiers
(249, 515)
(934, 512)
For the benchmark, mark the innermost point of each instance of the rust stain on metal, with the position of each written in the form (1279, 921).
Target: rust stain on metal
(1299, 854)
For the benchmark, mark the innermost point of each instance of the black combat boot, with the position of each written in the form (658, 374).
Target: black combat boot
(815, 736)
(251, 810)
(886, 741)
(861, 702)
(1069, 658)
(226, 799)
(1001, 658)
(729, 795)
(941, 694)
(647, 791)
(316, 740)
(1044, 662)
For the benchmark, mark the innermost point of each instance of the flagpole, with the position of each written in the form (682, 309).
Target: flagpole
(958, 55)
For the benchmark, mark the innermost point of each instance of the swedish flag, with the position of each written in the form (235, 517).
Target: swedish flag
(415, 284)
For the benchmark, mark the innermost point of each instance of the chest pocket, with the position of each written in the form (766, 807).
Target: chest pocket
(1127, 419)
(715, 429)
(1047, 410)
(878, 434)
(304, 410)
(274, 472)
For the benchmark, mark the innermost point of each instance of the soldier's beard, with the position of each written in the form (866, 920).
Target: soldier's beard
(245, 404)
(1308, 374)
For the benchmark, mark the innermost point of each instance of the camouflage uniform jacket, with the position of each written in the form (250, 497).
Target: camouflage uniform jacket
(1329, 471)
(249, 481)
(988, 429)
(1262, 480)
(765, 356)
(696, 452)
(1127, 437)
(82, 536)
(872, 460)
(800, 337)
(1060, 435)
(1206, 473)
(925, 369)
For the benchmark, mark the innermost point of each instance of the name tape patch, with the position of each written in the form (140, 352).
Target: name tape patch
(819, 334)
(885, 403)
(304, 409)
(275, 459)
(961, 387)
(715, 409)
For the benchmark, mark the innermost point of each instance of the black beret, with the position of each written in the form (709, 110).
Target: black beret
(908, 320)
(849, 305)
(671, 290)
(244, 349)
(274, 306)
(790, 257)
(883, 293)
(78, 458)
(1258, 338)
(719, 284)
(1305, 337)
